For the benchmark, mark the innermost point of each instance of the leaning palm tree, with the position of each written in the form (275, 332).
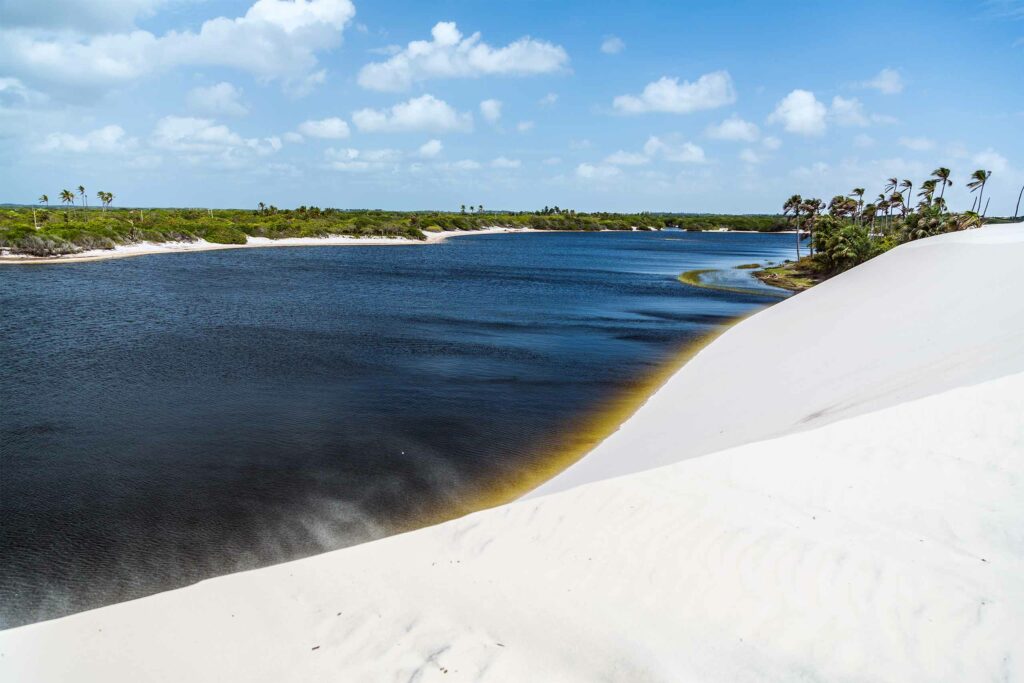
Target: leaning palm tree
(85, 197)
(941, 174)
(858, 192)
(1019, 195)
(978, 180)
(45, 199)
(906, 188)
(67, 197)
(794, 205)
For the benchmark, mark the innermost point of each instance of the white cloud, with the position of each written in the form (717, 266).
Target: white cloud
(800, 112)
(734, 128)
(107, 140)
(275, 39)
(461, 165)
(503, 162)
(524, 126)
(672, 150)
(424, 113)
(430, 149)
(332, 128)
(491, 110)
(991, 160)
(917, 144)
(357, 160)
(622, 158)
(848, 112)
(749, 156)
(292, 136)
(205, 141)
(220, 99)
(710, 91)
(548, 99)
(887, 81)
(14, 93)
(449, 55)
(612, 45)
(771, 142)
(601, 172)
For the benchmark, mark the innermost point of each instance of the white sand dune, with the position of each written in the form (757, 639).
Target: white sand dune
(881, 539)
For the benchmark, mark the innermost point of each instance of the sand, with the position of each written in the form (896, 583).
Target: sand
(855, 514)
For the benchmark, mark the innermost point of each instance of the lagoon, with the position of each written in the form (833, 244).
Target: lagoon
(170, 418)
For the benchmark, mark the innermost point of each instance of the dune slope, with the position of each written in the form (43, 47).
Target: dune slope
(883, 540)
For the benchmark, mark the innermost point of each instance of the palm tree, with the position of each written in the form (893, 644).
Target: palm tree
(927, 191)
(906, 188)
(858, 192)
(813, 208)
(67, 197)
(45, 199)
(978, 180)
(941, 174)
(85, 198)
(1019, 195)
(463, 208)
(794, 205)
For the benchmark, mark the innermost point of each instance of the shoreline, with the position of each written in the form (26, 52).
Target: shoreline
(693, 279)
(150, 248)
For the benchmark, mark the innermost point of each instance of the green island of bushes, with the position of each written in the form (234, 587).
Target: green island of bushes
(73, 227)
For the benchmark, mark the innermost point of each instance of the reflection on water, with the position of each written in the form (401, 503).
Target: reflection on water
(170, 418)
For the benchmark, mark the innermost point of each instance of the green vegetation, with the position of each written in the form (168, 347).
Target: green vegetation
(852, 231)
(749, 266)
(74, 227)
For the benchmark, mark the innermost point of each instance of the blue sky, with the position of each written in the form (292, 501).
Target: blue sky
(672, 106)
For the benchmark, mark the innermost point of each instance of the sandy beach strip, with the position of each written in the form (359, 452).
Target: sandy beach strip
(146, 248)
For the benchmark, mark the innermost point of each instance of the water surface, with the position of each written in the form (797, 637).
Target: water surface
(165, 419)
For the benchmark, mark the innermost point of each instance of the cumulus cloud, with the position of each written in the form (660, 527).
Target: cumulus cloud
(800, 112)
(430, 149)
(424, 113)
(887, 81)
(598, 172)
(734, 128)
(14, 93)
(349, 159)
(917, 144)
(107, 140)
(992, 160)
(848, 112)
(622, 158)
(771, 142)
(201, 140)
(449, 55)
(612, 45)
(332, 128)
(491, 110)
(274, 39)
(750, 156)
(710, 91)
(683, 152)
(222, 99)
(503, 162)
(670, 149)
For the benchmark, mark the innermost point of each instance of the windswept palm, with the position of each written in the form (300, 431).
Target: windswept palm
(44, 199)
(941, 174)
(978, 180)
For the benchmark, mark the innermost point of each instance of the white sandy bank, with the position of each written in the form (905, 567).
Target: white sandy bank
(144, 248)
(881, 541)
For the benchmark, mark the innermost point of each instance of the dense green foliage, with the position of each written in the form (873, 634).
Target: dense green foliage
(68, 229)
(852, 231)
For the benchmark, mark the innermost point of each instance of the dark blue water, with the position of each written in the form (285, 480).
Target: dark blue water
(164, 419)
